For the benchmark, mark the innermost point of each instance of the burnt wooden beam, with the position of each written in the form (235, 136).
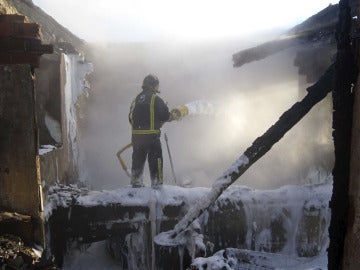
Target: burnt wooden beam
(262, 51)
(23, 44)
(31, 30)
(10, 18)
(260, 147)
(20, 41)
(342, 124)
(318, 29)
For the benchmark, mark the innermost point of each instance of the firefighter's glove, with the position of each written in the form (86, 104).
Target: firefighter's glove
(175, 114)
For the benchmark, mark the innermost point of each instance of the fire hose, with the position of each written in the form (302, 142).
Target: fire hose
(122, 162)
(126, 169)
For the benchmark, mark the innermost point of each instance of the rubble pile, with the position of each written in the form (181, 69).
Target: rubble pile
(15, 255)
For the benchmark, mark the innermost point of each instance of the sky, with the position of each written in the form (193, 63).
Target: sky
(183, 20)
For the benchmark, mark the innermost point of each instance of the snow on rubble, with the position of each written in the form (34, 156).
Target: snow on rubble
(261, 207)
(232, 258)
(63, 196)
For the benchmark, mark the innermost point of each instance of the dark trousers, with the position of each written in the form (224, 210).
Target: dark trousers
(147, 147)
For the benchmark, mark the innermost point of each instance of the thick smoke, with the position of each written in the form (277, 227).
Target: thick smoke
(242, 103)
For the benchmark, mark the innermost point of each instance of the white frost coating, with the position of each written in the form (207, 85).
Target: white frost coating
(141, 196)
(219, 185)
(166, 239)
(261, 208)
(225, 179)
(167, 195)
(200, 107)
(75, 71)
(137, 249)
(261, 205)
(46, 149)
(195, 240)
(253, 260)
(239, 163)
(61, 196)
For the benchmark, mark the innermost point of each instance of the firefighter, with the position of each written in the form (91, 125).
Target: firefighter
(148, 112)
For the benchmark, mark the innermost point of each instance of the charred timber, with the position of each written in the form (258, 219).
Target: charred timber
(20, 41)
(342, 124)
(318, 29)
(269, 48)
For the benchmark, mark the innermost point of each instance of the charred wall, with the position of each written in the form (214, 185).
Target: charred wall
(20, 187)
(352, 240)
(47, 83)
(33, 113)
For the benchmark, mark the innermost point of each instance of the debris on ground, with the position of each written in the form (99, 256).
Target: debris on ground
(15, 255)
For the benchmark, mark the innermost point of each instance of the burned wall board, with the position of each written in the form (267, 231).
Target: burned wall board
(19, 176)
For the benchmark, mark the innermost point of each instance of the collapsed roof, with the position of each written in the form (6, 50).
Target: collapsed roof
(314, 40)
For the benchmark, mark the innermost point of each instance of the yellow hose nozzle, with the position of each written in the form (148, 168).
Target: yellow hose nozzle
(179, 112)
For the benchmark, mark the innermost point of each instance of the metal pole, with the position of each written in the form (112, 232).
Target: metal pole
(171, 163)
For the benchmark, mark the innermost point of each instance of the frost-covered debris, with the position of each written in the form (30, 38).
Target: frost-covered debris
(233, 259)
(317, 175)
(15, 254)
(288, 209)
(65, 196)
(225, 180)
(300, 215)
(46, 149)
(141, 196)
(218, 187)
(195, 242)
(62, 196)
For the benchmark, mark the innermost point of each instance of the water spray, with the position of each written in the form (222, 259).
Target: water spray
(200, 107)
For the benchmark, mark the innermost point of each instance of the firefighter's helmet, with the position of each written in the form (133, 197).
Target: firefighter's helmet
(151, 82)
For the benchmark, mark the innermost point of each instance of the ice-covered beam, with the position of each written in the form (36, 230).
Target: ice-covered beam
(20, 41)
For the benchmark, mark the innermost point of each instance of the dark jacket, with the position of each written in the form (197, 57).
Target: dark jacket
(147, 114)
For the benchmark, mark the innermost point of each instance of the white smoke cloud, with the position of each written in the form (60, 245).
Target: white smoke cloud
(245, 102)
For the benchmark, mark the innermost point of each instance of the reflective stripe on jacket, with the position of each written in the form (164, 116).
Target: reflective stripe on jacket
(147, 113)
